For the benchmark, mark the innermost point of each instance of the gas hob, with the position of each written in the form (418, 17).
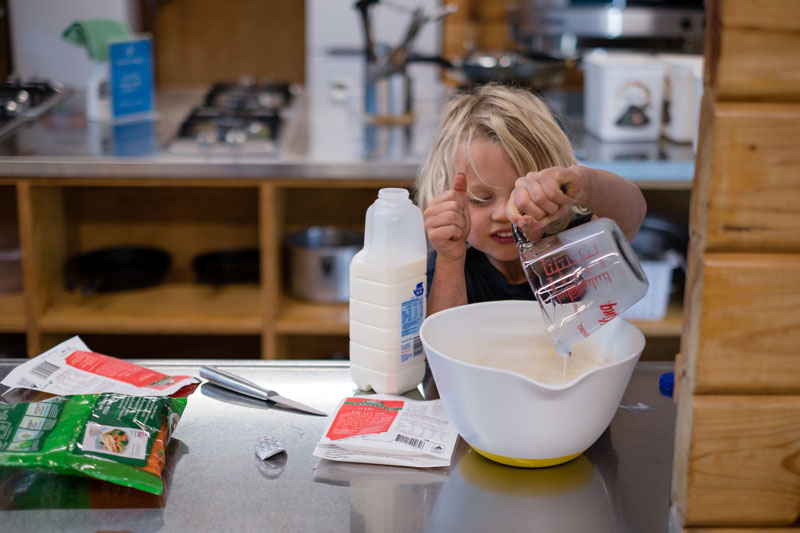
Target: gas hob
(236, 118)
(25, 100)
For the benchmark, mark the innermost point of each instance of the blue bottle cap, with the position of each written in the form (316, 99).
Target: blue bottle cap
(666, 383)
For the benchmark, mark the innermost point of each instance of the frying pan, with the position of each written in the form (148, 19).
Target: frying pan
(536, 71)
(116, 269)
(227, 266)
(662, 237)
(660, 234)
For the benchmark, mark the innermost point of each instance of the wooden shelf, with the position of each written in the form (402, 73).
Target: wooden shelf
(669, 326)
(12, 312)
(307, 318)
(57, 219)
(167, 309)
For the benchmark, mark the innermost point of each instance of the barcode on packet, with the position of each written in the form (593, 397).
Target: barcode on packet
(411, 441)
(26, 383)
(44, 369)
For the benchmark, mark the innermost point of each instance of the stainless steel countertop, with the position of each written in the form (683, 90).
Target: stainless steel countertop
(215, 481)
(323, 138)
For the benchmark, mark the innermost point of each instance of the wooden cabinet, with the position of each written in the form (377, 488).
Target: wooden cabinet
(12, 306)
(58, 218)
(59, 221)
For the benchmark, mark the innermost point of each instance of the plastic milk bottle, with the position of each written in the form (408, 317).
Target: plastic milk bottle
(387, 297)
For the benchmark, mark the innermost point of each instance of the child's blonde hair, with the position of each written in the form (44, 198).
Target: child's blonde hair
(516, 119)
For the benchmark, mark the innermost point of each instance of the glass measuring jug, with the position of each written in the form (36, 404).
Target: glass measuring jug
(582, 278)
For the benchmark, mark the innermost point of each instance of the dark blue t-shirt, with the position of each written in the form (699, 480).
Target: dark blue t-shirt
(484, 282)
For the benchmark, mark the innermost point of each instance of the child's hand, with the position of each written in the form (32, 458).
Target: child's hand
(539, 198)
(447, 221)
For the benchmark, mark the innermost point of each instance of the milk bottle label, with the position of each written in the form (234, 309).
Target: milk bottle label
(413, 313)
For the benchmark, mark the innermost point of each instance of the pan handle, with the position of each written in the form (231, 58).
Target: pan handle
(363, 7)
(439, 60)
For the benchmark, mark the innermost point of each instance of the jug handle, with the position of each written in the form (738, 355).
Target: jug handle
(519, 236)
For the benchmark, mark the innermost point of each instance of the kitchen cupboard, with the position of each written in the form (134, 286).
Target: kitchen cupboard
(60, 221)
(198, 42)
(57, 218)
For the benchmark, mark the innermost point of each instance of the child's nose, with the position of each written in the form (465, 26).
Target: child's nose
(499, 211)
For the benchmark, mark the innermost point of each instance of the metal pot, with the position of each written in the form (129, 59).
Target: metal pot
(319, 263)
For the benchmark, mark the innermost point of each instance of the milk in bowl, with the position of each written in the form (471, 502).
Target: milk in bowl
(529, 353)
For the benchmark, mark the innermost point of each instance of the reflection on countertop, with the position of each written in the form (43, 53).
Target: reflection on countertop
(323, 137)
(621, 483)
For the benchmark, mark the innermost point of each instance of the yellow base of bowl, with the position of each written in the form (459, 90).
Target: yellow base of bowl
(526, 463)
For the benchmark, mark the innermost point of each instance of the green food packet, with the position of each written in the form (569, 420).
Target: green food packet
(113, 437)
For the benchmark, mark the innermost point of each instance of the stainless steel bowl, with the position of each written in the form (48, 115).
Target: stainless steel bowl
(319, 263)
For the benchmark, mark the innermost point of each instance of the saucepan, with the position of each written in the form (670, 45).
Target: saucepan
(318, 262)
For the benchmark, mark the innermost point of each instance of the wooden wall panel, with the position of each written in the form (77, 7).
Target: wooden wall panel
(198, 42)
(752, 195)
(750, 315)
(750, 44)
(736, 458)
(744, 477)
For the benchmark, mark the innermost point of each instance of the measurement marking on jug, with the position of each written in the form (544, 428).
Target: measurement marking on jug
(595, 281)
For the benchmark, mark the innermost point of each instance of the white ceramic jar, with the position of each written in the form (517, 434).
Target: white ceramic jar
(623, 96)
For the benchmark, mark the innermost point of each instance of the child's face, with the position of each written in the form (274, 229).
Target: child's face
(490, 180)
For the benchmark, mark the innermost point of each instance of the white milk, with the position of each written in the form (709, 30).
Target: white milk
(531, 355)
(387, 297)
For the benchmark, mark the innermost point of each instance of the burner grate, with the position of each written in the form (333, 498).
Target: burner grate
(217, 125)
(238, 96)
(243, 116)
(21, 101)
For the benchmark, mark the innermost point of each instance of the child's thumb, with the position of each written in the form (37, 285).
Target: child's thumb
(460, 182)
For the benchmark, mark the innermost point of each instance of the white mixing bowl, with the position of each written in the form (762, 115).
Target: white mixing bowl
(511, 418)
